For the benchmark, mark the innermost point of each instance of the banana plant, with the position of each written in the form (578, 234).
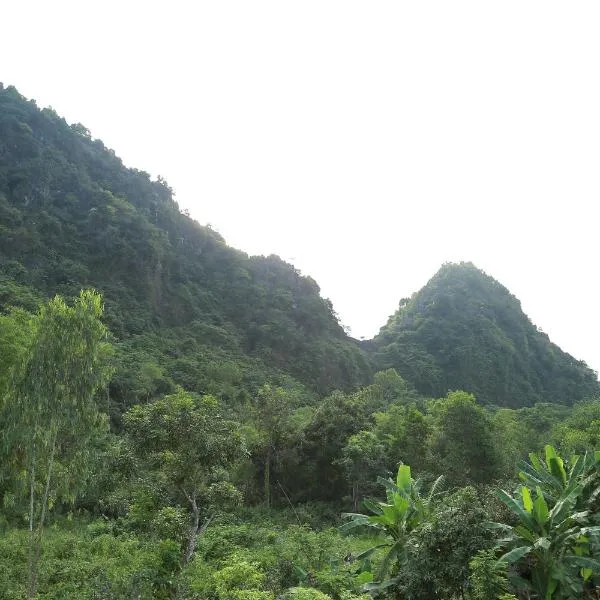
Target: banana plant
(404, 510)
(553, 540)
(557, 477)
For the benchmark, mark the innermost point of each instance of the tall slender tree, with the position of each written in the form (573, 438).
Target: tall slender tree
(50, 410)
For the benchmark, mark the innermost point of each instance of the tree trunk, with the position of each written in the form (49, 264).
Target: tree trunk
(30, 559)
(205, 525)
(193, 530)
(355, 496)
(36, 539)
(31, 491)
(267, 479)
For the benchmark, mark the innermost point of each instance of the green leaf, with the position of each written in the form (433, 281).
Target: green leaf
(403, 479)
(536, 474)
(373, 506)
(364, 577)
(391, 554)
(578, 465)
(384, 520)
(540, 508)
(525, 533)
(552, 585)
(582, 561)
(525, 517)
(401, 504)
(527, 501)
(535, 461)
(514, 555)
(503, 526)
(380, 587)
(357, 521)
(369, 552)
(565, 505)
(550, 453)
(555, 464)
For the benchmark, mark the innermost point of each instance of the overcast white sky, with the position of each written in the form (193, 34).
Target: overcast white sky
(365, 142)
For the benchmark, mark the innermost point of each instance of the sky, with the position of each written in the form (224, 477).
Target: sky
(365, 142)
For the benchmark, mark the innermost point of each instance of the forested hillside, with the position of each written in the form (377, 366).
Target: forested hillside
(464, 330)
(185, 307)
(181, 421)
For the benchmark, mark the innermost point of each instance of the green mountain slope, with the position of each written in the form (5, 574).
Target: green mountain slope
(186, 308)
(464, 330)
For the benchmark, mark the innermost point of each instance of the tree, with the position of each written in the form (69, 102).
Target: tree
(50, 413)
(387, 388)
(440, 549)
(462, 445)
(580, 431)
(337, 418)
(185, 448)
(362, 457)
(405, 431)
(517, 439)
(16, 330)
(270, 414)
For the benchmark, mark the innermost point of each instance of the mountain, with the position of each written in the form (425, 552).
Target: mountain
(464, 330)
(184, 307)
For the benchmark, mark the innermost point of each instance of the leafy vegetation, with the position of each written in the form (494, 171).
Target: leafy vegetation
(404, 511)
(197, 427)
(185, 308)
(464, 330)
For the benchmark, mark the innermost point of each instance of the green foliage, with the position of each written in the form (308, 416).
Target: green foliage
(284, 556)
(234, 383)
(63, 361)
(463, 446)
(79, 564)
(554, 539)
(338, 417)
(185, 448)
(362, 456)
(579, 432)
(517, 438)
(395, 519)
(440, 549)
(405, 431)
(16, 332)
(305, 594)
(49, 413)
(272, 431)
(464, 330)
(240, 581)
(73, 216)
(488, 580)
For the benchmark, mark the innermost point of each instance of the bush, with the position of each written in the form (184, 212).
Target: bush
(305, 594)
(76, 565)
(439, 552)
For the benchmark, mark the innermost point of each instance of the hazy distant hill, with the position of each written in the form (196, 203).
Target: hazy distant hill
(464, 330)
